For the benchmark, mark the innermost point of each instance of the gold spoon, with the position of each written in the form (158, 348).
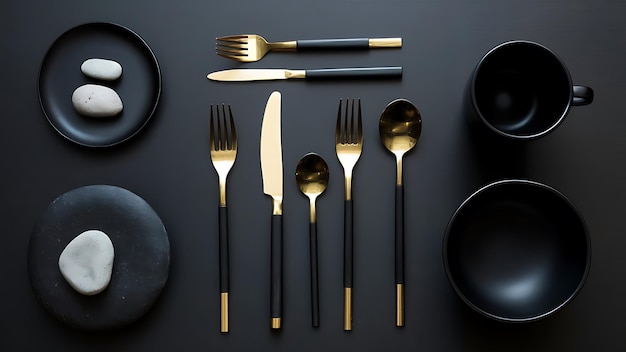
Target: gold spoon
(400, 127)
(312, 178)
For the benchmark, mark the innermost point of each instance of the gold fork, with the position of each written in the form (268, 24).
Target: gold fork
(223, 154)
(252, 47)
(349, 144)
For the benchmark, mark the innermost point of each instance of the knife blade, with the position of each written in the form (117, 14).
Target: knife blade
(246, 75)
(272, 172)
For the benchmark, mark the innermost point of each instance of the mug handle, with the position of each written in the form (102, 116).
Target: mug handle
(582, 95)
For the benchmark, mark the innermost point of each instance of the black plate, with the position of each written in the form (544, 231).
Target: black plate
(139, 87)
(517, 251)
(140, 267)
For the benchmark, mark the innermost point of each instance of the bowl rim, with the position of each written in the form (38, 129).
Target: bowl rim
(504, 183)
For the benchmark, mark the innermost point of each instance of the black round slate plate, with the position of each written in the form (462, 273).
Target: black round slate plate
(140, 267)
(139, 87)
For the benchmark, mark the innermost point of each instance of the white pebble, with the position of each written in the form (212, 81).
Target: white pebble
(96, 101)
(103, 69)
(86, 263)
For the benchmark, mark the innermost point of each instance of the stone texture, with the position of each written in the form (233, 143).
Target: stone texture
(86, 263)
(140, 268)
(94, 100)
(107, 70)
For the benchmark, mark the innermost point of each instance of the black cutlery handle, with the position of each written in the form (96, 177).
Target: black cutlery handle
(315, 292)
(355, 72)
(223, 248)
(330, 44)
(347, 245)
(348, 263)
(399, 255)
(276, 291)
(224, 266)
(399, 234)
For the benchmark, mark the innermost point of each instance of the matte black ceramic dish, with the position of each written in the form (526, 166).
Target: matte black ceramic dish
(517, 251)
(140, 267)
(139, 87)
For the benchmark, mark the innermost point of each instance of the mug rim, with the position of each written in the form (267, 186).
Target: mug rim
(480, 115)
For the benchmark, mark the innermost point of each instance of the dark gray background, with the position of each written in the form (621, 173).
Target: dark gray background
(168, 164)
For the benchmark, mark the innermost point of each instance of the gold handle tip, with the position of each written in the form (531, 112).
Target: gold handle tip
(275, 323)
(399, 305)
(224, 312)
(347, 308)
(385, 43)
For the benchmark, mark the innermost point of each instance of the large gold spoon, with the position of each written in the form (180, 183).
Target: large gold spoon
(400, 127)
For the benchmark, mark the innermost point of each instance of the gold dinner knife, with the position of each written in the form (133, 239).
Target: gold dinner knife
(251, 74)
(272, 171)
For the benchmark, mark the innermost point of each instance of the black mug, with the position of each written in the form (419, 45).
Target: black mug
(521, 90)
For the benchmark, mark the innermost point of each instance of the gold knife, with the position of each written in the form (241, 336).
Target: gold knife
(251, 74)
(272, 171)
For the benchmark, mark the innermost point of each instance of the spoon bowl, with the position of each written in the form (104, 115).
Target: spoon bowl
(312, 177)
(400, 127)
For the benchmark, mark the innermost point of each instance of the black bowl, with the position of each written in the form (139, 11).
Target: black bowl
(517, 251)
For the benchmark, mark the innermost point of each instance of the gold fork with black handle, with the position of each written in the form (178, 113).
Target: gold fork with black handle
(223, 145)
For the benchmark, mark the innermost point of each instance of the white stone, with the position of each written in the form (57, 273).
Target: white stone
(86, 263)
(103, 69)
(96, 101)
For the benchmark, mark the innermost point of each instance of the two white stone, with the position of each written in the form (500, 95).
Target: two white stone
(86, 263)
(96, 100)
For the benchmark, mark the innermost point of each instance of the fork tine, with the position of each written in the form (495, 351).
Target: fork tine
(233, 132)
(351, 132)
(360, 126)
(233, 38)
(347, 123)
(212, 131)
(232, 45)
(230, 51)
(338, 130)
(233, 57)
(220, 117)
(242, 48)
